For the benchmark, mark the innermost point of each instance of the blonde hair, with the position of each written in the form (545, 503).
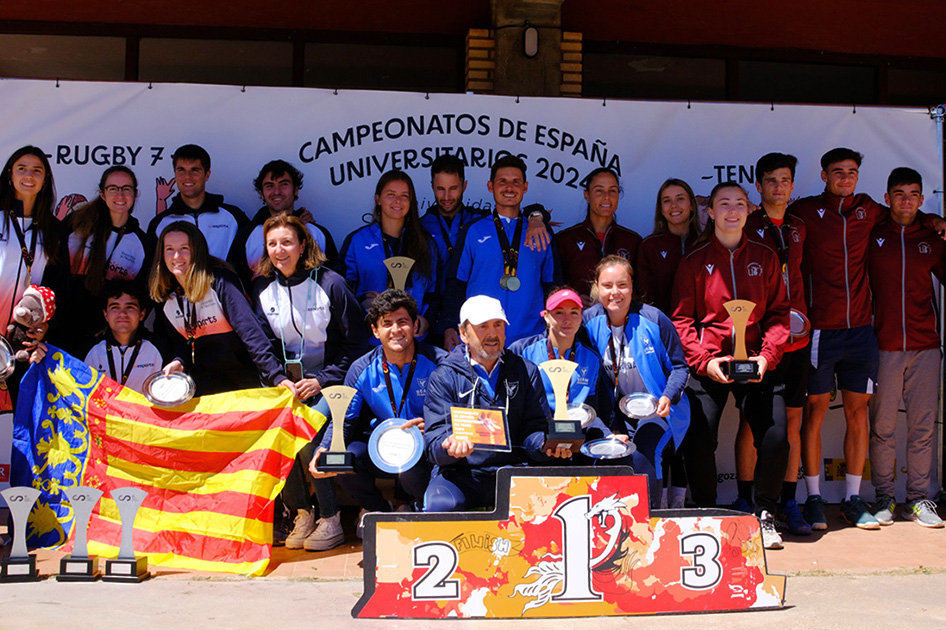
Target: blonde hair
(198, 278)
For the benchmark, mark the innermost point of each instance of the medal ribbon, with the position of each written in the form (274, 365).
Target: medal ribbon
(510, 252)
(407, 384)
(190, 323)
(126, 369)
(29, 254)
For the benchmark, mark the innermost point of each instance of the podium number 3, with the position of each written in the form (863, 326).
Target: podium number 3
(442, 558)
(706, 570)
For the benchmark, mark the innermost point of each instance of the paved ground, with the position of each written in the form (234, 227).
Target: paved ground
(887, 578)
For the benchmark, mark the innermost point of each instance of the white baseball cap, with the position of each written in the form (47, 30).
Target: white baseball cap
(481, 308)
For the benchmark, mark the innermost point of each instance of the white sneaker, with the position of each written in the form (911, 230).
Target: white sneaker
(328, 534)
(360, 530)
(302, 526)
(770, 537)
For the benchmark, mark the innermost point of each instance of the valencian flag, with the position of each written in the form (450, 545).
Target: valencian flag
(212, 467)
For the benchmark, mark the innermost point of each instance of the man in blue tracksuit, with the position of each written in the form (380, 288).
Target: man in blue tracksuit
(391, 382)
(492, 258)
(481, 374)
(217, 221)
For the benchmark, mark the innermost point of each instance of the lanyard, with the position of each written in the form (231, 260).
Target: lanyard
(389, 250)
(29, 254)
(616, 355)
(445, 233)
(126, 369)
(407, 384)
(510, 253)
(190, 323)
(292, 317)
(121, 233)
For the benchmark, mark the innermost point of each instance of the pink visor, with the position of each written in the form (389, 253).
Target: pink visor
(560, 297)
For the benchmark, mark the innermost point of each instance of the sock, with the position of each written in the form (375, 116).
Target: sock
(852, 486)
(813, 484)
(789, 490)
(744, 490)
(678, 493)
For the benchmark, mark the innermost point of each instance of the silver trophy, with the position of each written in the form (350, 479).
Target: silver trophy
(20, 566)
(127, 567)
(80, 566)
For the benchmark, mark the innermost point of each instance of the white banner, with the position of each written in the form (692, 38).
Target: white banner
(343, 141)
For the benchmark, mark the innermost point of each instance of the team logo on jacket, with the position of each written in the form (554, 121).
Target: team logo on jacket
(820, 213)
(709, 269)
(861, 214)
(512, 388)
(880, 242)
(581, 246)
(663, 254)
(754, 269)
(623, 253)
(924, 247)
(796, 236)
(582, 376)
(370, 246)
(421, 387)
(484, 239)
(761, 232)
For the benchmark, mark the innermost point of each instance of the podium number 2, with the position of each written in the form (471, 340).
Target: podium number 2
(442, 558)
(706, 570)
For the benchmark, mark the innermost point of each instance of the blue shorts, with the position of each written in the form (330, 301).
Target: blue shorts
(851, 353)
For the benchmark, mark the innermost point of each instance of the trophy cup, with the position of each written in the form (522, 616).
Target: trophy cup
(563, 429)
(399, 267)
(740, 368)
(337, 458)
(127, 567)
(80, 566)
(20, 566)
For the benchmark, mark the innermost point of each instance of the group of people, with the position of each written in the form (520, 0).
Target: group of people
(839, 287)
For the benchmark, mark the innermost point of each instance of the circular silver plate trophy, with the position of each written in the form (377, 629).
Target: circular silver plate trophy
(168, 391)
(799, 326)
(80, 566)
(608, 448)
(20, 566)
(393, 449)
(7, 362)
(583, 413)
(638, 406)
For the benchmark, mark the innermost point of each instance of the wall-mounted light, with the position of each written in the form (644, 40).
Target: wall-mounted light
(530, 41)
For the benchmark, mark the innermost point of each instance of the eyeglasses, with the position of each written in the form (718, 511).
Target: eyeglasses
(114, 190)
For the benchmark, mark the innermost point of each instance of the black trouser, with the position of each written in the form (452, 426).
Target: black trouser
(763, 405)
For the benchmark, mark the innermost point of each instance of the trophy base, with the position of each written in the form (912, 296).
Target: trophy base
(742, 370)
(19, 569)
(79, 569)
(122, 570)
(566, 433)
(336, 462)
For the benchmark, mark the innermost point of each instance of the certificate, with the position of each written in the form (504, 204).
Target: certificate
(485, 427)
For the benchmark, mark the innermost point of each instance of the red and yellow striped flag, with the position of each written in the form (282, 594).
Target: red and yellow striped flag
(212, 467)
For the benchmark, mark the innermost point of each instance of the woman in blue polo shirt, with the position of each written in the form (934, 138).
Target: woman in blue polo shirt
(395, 230)
(641, 352)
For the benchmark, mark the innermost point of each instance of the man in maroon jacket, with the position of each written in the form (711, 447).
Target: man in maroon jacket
(903, 256)
(839, 224)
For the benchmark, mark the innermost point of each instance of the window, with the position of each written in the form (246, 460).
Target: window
(215, 61)
(62, 57)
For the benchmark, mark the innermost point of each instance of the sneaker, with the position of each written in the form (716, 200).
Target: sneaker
(302, 526)
(678, 501)
(741, 505)
(923, 511)
(855, 512)
(790, 518)
(360, 530)
(770, 537)
(884, 507)
(814, 512)
(327, 535)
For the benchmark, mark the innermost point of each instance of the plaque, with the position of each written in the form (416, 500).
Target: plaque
(393, 449)
(337, 459)
(638, 406)
(79, 566)
(563, 430)
(740, 368)
(7, 359)
(168, 391)
(485, 427)
(608, 448)
(799, 326)
(20, 566)
(127, 567)
(399, 267)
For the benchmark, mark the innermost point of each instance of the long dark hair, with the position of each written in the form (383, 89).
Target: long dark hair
(43, 209)
(415, 244)
(601, 170)
(93, 220)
